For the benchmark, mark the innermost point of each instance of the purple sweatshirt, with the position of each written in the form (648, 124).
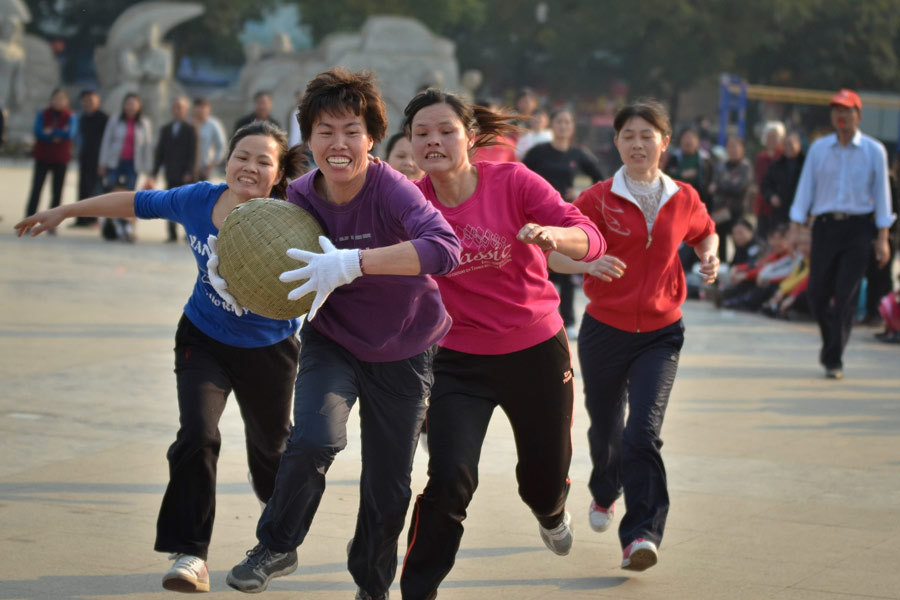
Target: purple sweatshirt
(382, 318)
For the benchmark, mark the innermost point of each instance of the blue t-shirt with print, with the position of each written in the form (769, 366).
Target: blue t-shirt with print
(192, 205)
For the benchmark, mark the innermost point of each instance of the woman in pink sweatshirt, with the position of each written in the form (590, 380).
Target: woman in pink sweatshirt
(507, 346)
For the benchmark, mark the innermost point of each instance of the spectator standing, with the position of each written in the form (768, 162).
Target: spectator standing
(210, 139)
(293, 129)
(538, 133)
(176, 152)
(262, 107)
(692, 164)
(772, 136)
(90, 126)
(53, 127)
(780, 180)
(126, 149)
(844, 187)
(729, 190)
(559, 161)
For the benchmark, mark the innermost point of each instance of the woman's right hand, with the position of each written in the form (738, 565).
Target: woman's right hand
(40, 222)
(607, 268)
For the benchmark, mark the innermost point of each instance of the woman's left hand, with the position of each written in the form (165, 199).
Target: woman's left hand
(543, 237)
(709, 267)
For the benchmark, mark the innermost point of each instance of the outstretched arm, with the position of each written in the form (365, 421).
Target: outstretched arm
(116, 204)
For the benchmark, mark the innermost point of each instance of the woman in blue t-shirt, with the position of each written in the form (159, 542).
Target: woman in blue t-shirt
(217, 349)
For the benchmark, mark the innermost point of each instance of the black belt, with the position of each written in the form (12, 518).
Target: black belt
(843, 216)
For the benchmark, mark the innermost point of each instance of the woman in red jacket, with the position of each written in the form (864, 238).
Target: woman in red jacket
(632, 333)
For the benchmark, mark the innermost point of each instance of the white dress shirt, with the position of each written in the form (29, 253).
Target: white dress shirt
(850, 179)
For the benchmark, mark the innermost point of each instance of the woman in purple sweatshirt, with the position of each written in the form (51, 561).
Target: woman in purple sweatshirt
(373, 339)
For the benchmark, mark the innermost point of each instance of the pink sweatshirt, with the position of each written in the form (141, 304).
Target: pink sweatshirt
(499, 297)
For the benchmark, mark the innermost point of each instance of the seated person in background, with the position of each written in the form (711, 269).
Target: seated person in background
(790, 297)
(747, 250)
(741, 279)
(889, 307)
(777, 266)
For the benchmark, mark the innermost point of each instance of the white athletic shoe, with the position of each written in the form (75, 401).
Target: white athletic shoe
(601, 518)
(188, 574)
(640, 555)
(558, 539)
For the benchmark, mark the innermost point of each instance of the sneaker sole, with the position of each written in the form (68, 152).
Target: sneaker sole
(240, 586)
(185, 586)
(600, 528)
(640, 560)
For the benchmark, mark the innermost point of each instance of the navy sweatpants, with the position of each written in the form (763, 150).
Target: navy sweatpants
(392, 401)
(637, 370)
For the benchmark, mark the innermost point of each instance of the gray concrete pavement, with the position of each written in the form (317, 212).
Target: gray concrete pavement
(784, 485)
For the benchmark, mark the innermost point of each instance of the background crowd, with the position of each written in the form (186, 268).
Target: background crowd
(765, 268)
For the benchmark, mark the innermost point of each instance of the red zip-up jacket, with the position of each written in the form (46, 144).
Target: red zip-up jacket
(650, 293)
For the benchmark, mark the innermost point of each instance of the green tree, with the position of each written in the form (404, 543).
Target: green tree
(84, 24)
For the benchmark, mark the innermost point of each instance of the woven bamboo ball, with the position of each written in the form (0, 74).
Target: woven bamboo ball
(252, 245)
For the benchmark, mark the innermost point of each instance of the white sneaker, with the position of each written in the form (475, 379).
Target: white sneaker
(188, 574)
(601, 518)
(640, 555)
(558, 539)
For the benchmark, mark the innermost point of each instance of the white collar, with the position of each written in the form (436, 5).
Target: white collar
(619, 188)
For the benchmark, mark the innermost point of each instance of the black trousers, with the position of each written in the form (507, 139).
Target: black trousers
(838, 260)
(392, 401)
(206, 372)
(89, 185)
(637, 370)
(39, 175)
(534, 388)
(566, 287)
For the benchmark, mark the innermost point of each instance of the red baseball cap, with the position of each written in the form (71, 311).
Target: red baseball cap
(847, 98)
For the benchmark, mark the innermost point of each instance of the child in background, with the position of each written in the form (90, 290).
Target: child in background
(767, 278)
(790, 297)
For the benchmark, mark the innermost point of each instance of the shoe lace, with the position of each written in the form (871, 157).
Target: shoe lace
(257, 555)
(195, 563)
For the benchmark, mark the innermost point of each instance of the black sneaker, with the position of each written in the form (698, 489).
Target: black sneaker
(254, 572)
(361, 594)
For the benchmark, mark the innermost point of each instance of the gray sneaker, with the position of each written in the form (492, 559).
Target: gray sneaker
(252, 574)
(558, 539)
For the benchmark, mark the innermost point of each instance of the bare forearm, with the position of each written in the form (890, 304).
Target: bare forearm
(708, 245)
(399, 259)
(114, 204)
(560, 263)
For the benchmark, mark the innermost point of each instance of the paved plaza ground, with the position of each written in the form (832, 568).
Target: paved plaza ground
(784, 485)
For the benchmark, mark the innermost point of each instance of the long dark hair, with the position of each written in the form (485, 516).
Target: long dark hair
(291, 159)
(137, 116)
(488, 125)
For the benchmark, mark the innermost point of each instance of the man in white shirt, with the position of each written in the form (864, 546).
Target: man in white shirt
(844, 188)
(210, 139)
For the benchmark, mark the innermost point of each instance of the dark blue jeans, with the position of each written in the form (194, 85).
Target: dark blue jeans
(392, 401)
(635, 369)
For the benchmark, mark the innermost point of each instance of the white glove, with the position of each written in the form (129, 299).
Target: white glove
(219, 284)
(324, 272)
